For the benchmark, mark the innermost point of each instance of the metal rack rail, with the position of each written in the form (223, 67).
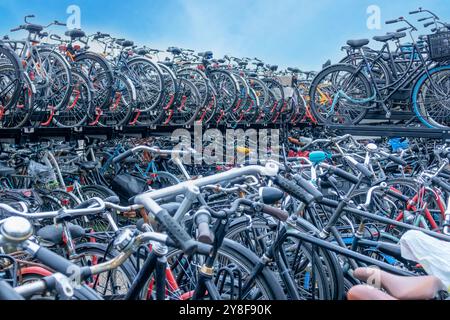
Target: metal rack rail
(35, 134)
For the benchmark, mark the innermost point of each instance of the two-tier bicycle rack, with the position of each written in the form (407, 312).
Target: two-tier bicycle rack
(36, 134)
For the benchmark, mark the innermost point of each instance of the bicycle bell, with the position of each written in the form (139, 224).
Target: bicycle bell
(16, 229)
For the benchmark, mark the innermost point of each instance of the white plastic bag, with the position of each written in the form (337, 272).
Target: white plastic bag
(41, 172)
(431, 253)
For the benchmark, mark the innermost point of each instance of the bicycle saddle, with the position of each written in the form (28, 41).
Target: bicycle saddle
(205, 54)
(167, 63)
(358, 43)
(273, 68)
(34, 28)
(75, 33)
(125, 43)
(402, 288)
(141, 51)
(385, 38)
(89, 165)
(54, 233)
(398, 35)
(174, 50)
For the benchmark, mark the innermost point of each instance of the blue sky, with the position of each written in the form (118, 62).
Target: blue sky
(300, 33)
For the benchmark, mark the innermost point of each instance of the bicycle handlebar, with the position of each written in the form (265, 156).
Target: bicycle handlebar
(83, 209)
(130, 152)
(294, 190)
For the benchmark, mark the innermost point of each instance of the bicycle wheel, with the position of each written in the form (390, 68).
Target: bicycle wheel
(16, 115)
(227, 88)
(208, 112)
(250, 110)
(230, 255)
(185, 110)
(112, 284)
(100, 76)
(299, 106)
(163, 179)
(265, 113)
(340, 95)
(53, 79)
(277, 92)
(57, 199)
(10, 78)
(75, 112)
(96, 223)
(147, 79)
(122, 105)
(431, 98)
(298, 256)
(379, 69)
(199, 79)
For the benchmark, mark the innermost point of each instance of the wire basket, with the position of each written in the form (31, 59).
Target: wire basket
(439, 46)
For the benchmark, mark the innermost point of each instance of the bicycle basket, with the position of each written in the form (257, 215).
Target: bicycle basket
(439, 46)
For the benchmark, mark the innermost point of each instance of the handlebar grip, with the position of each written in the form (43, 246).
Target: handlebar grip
(437, 181)
(426, 25)
(123, 156)
(274, 212)
(201, 248)
(61, 264)
(112, 199)
(295, 141)
(85, 204)
(392, 21)
(344, 174)
(180, 237)
(293, 189)
(397, 160)
(397, 195)
(414, 12)
(309, 187)
(364, 170)
(202, 219)
(204, 233)
(16, 29)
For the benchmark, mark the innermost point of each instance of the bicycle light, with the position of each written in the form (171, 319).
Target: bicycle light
(124, 240)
